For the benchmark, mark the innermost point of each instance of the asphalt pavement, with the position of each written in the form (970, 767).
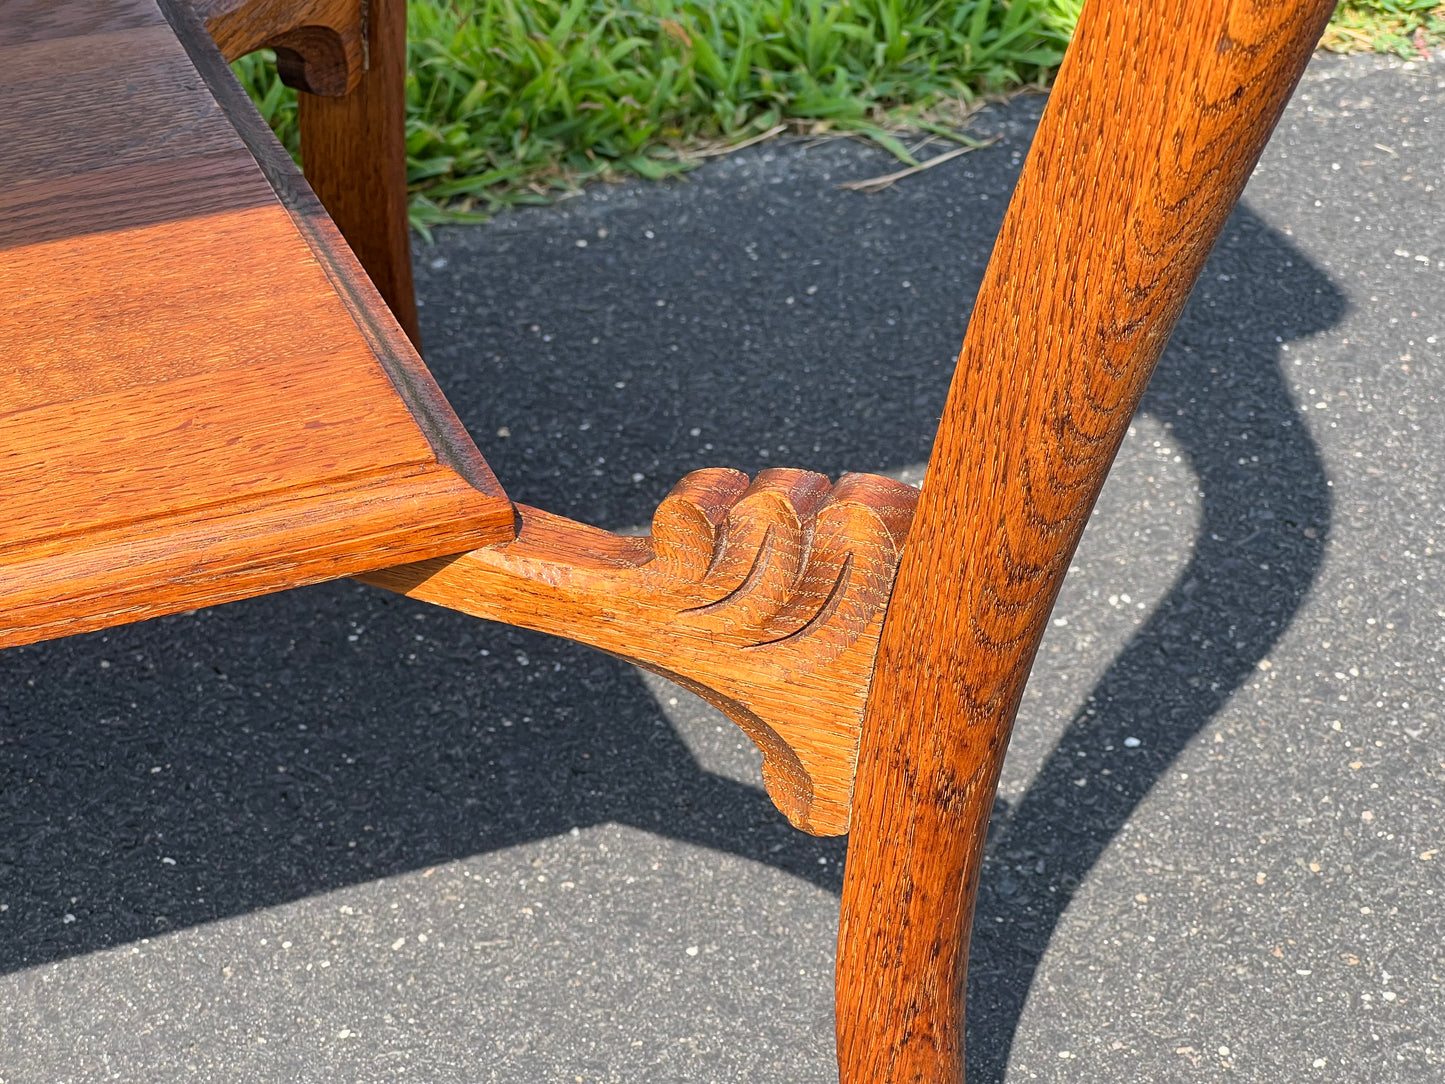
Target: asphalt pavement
(337, 835)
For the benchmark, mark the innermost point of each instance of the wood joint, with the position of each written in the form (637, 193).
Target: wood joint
(765, 598)
(321, 45)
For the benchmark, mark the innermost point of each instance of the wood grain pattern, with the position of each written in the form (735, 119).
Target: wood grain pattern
(201, 394)
(353, 149)
(320, 45)
(766, 599)
(40, 20)
(1155, 122)
(348, 60)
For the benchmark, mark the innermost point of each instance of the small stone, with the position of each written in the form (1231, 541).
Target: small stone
(1132, 743)
(692, 950)
(396, 945)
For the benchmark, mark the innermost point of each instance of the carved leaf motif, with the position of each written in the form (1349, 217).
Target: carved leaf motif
(765, 598)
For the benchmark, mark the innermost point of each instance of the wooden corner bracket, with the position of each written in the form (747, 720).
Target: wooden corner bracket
(320, 45)
(764, 598)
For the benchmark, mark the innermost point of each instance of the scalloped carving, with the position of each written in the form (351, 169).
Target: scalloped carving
(765, 598)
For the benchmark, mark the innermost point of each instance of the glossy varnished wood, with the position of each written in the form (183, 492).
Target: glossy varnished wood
(766, 599)
(347, 58)
(201, 395)
(353, 149)
(1153, 126)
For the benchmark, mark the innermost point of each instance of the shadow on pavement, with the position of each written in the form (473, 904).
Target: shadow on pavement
(270, 757)
(1266, 515)
(207, 764)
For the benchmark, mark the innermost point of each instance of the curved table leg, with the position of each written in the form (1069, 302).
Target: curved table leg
(1156, 120)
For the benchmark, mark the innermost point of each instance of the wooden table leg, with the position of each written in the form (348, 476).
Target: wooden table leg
(353, 152)
(1157, 118)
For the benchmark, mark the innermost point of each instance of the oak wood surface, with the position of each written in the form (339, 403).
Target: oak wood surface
(347, 58)
(353, 149)
(766, 599)
(201, 394)
(1154, 123)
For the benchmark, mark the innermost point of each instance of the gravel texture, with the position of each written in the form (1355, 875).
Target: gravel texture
(337, 835)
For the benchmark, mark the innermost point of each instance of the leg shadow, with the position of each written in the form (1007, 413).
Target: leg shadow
(191, 768)
(303, 742)
(1266, 514)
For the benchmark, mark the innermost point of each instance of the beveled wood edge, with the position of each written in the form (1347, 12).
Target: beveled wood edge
(437, 420)
(127, 572)
(783, 648)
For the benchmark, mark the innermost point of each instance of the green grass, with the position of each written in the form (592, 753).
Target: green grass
(514, 101)
(518, 101)
(1401, 27)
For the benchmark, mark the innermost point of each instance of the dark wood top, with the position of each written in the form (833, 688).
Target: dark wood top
(202, 397)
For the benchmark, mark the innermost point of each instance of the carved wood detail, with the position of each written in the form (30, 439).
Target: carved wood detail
(321, 45)
(766, 599)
